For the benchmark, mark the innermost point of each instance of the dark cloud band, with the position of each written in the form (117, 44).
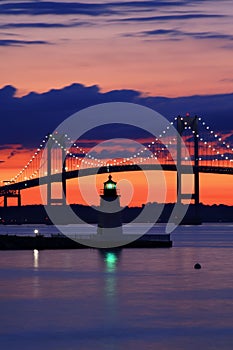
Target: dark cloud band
(172, 17)
(174, 34)
(35, 115)
(91, 9)
(41, 25)
(6, 42)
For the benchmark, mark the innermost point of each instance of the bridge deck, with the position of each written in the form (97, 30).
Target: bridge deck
(187, 169)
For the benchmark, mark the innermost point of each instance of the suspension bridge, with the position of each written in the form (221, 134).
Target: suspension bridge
(205, 151)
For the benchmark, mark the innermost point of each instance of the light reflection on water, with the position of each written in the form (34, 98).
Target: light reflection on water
(36, 258)
(130, 298)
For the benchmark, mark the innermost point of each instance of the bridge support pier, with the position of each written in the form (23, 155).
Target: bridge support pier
(12, 194)
(192, 123)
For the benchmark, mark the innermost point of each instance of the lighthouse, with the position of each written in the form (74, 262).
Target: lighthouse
(110, 221)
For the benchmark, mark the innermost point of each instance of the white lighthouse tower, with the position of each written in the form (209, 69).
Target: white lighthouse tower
(110, 221)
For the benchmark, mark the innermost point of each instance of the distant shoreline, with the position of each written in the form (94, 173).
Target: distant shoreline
(36, 214)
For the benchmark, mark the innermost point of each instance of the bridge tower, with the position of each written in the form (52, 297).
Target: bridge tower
(190, 123)
(50, 199)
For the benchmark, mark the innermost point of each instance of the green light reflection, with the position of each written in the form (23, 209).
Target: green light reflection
(111, 261)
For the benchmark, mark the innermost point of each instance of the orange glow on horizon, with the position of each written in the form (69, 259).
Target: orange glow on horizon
(214, 189)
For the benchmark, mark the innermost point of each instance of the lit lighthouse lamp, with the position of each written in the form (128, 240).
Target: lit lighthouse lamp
(110, 189)
(110, 221)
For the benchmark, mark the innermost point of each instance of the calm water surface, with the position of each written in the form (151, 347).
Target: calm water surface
(133, 299)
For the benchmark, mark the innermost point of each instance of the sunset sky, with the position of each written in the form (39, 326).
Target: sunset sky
(161, 54)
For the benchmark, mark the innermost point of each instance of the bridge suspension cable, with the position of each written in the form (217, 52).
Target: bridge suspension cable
(215, 150)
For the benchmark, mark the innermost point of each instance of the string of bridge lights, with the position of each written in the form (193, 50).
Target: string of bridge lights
(85, 154)
(33, 158)
(140, 153)
(38, 151)
(216, 136)
(147, 148)
(91, 160)
(208, 144)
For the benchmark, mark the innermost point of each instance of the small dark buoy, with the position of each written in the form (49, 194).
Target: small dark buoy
(197, 266)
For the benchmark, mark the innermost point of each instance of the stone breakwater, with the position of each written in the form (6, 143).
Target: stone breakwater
(13, 242)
